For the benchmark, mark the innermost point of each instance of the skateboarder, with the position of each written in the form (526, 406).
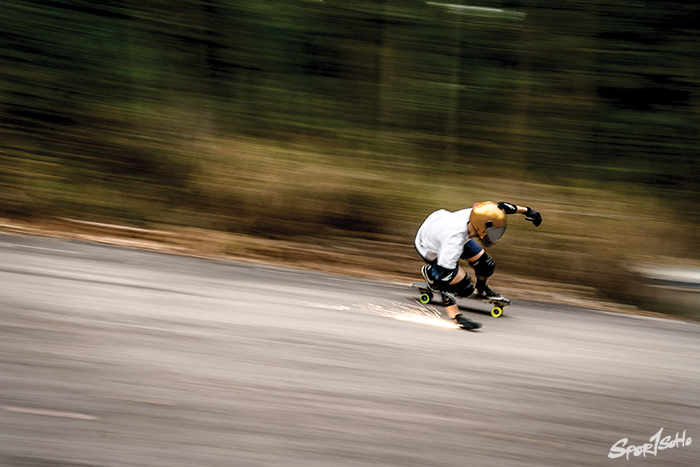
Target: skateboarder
(446, 237)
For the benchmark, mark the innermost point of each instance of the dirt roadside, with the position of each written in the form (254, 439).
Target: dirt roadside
(348, 257)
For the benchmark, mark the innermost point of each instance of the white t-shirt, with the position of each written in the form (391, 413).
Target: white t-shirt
(443, 236)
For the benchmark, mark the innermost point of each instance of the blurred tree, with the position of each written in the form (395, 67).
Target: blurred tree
(109, 94)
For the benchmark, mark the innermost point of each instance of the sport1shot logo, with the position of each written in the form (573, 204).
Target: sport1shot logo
(655, 444)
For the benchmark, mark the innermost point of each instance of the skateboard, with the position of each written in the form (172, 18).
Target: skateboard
(426, 295)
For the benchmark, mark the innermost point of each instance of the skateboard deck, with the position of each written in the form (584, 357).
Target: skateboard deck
(427, 294)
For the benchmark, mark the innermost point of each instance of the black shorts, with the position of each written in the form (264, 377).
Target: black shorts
(471, 249)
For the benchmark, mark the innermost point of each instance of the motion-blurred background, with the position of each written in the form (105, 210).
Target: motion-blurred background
(322, 132)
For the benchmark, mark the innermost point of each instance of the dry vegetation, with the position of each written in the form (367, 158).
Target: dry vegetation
(357, 216)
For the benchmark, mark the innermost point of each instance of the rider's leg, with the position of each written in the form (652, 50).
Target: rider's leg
(461, 286)
(484, 267)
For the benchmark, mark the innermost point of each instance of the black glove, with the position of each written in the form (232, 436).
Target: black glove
(533, 216)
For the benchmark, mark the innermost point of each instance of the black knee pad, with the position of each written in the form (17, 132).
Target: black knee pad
(484, 266)
(440, 277)
(463, 288)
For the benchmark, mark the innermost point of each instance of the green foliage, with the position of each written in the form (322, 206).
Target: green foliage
(330, 117)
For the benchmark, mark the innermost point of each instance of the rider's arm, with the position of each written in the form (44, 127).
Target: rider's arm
(530, 214)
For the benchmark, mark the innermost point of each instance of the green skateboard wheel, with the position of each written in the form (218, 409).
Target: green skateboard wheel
(425, 297)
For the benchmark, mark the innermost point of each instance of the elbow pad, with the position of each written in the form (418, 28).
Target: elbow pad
(509, 208)
(484, 266)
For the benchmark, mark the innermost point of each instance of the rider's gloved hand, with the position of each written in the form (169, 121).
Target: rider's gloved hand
(533, 216)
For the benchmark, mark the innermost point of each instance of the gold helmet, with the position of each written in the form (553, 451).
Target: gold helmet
(489, 221)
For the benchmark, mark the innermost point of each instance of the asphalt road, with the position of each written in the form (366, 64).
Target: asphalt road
(112, 356)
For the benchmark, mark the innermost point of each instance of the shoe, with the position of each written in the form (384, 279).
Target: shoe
(426, 275)
(466, 323)
(487, 293)
(448, 299)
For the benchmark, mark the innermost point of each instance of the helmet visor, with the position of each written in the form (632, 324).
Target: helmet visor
(494, 234)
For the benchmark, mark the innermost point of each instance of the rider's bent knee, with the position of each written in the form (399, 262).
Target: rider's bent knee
(484, 266)
(463, 288)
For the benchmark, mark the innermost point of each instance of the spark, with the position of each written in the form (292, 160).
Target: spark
(328, 307)
(415, 313)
